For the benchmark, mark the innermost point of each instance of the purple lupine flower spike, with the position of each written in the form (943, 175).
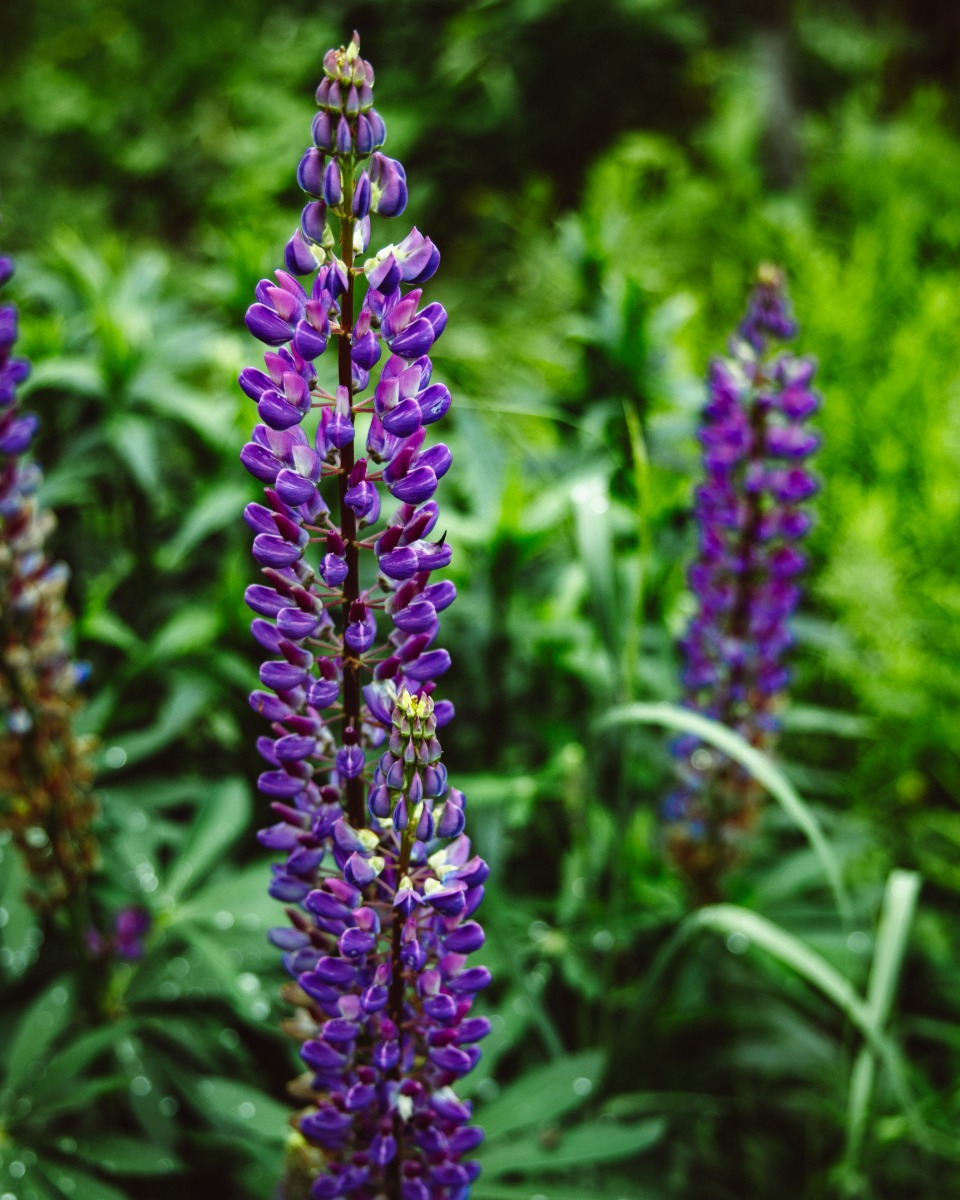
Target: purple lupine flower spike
(45, 769)
(377, 873)
(745, 578)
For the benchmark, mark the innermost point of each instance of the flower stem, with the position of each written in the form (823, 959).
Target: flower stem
(348, 520)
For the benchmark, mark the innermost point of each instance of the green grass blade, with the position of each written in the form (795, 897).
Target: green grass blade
(729, 918)
(759, 766)
(899, 909)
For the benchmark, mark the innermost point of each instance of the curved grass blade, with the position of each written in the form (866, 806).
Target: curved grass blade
(759, 766)
(899, 909)
(810, 966)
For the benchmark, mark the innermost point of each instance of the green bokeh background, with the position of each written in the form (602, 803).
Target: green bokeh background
(602, 180)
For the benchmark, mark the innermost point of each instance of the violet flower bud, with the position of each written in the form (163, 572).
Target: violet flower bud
(388, 186)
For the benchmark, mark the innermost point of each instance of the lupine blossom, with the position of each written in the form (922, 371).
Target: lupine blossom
(746, 578)
(378, 875)
(45, 771)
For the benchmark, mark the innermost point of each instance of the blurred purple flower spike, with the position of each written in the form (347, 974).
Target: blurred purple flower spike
(45, 768)
(755, 446)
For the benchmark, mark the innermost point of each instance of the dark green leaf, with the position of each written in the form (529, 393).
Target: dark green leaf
(223, 816)
(593, 1142)
(33, 1039)
(126, 1156)
(542, 1095)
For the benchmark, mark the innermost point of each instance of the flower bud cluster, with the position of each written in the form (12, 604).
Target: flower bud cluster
(749, 508)
(130, 926)
(45, 773)
(375, 857)
(383, 985)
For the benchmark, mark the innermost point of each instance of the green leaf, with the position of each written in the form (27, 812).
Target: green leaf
(190, 629)
(134, 441)
(728, 918)
(33, 1038)
(237, 910)
(154, 793)
(187, 699)
(78, 1185)
(127, 1156)
(237, 1108)
(223, 816)
(542, 1095)
(64, 374)
(216, 509)
(26, 1177)
(508, 1027)
(805, 718)
(243, 989)
(482, 1190)
(759, 766)
(499, 938)
(194, 1038)
(592, 1142)
(20, 933)
(81, 1095)
(70, 1061)
(590, 502)
(108, 629)
(899, 908)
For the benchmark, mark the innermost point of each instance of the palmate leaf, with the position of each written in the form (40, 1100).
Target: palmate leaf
(153, 793)
(500, 941)
(135, 443)
(235, 901)
(64, 373)
(192, 1035)
(582, 1146)
(150, 1091)
(191, 629)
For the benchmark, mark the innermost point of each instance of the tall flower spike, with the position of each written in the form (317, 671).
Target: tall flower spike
(45, 771)
(749, 509)
(377, 873)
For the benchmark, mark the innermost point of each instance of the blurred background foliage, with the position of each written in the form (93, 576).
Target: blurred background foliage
(602, 180)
